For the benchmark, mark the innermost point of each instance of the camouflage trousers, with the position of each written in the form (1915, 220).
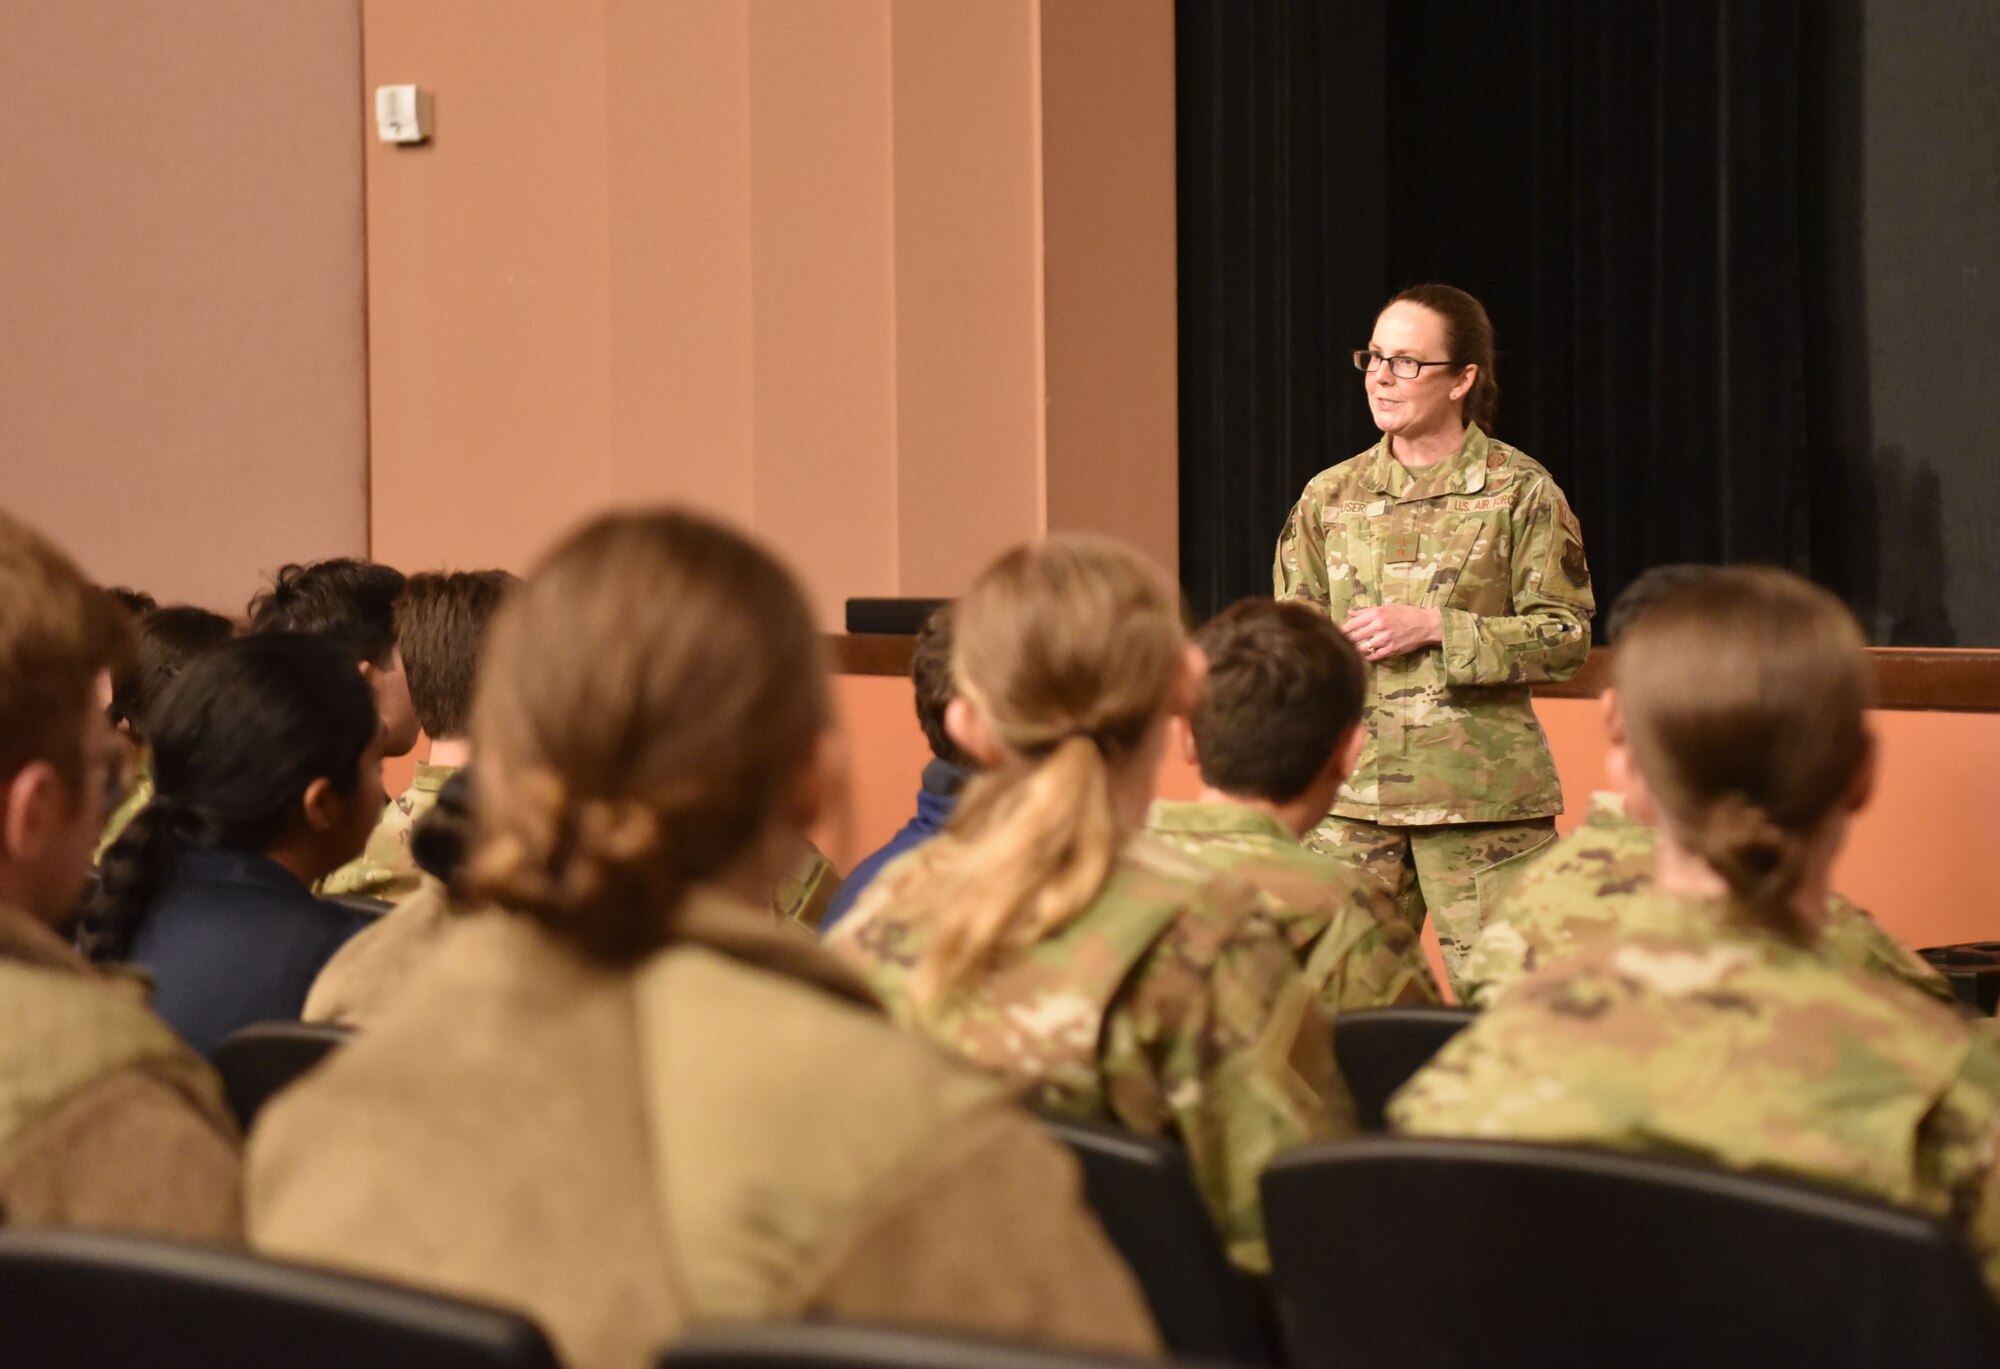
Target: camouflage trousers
(1455, 871)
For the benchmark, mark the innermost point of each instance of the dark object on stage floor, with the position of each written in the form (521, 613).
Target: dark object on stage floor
(1380, 1048)
(890, 617)
(793, 1345)
(1973, 967)
(1144, 1196)
(1561, 1257)
(91, 1300)
(259, 1062)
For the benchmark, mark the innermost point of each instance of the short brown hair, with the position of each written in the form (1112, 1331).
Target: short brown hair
(1744, 698)
(57, 632)
(1284, 686)
(1468, 341)
(441, 623)
(647, 696)
(930, 672)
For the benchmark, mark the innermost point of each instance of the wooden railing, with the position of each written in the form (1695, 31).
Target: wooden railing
(1914, 678)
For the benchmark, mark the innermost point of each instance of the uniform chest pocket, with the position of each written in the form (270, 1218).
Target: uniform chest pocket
(1473, 565)
(1346, 546)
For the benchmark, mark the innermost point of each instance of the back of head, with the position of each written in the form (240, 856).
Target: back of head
(169, 638)
(930, 673)
(441, 624)
(1647, 589)
(1284, 687)
(236, 740)
(1744, 698)
(135, 602)
(58, 633)
(1070, 651)
(648, 699)
(350, 601)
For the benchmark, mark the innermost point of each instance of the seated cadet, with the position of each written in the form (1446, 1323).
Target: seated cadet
(1725, 1031)
(168, 638)
(377, 961)
(354, 603)
(1047, 938)
(441, 621)
(1274, 736)
(107, 1119)
(627, 1101)
(266, 777)
(1583, 885)
(944, 776)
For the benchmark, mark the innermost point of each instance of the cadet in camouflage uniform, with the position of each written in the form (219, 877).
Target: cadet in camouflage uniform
(385, 868)
(1273, 735)
(1710, 1039)
(1723, 1028)
(441, 622)
(1599, 880)
(1171, 1005)
(1044, 937)
(1455, 564)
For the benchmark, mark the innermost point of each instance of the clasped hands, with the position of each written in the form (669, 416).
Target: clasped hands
(1391, 630)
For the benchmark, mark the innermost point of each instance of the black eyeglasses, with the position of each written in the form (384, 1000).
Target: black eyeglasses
(1403, 368)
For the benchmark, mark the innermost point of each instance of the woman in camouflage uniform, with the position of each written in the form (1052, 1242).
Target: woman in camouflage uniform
(1455, 565)
(1728, 1028)
(1047, 938)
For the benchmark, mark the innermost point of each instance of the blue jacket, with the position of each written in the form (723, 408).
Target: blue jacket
(235, 939)
(936, 800)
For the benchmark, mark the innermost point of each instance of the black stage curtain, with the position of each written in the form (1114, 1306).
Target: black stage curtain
(1655, 200)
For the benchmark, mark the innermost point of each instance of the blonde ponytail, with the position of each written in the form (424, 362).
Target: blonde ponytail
(1040, 841)
(1070, 651)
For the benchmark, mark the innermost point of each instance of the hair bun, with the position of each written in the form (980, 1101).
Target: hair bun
(1760, 860)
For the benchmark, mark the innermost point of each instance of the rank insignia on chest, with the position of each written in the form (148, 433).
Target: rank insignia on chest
(1401, 545)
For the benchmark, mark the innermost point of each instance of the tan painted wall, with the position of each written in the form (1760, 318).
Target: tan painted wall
(872, 277)
(182, 392)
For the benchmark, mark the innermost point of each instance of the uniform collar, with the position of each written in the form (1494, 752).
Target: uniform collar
(428, 778)
(1211, 819)
(1463, 472)
(25, 941)
(721, 922)
(1607, 809)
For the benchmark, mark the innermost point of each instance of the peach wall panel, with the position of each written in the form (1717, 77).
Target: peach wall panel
(183, 395)
(1109, 282)
(488, 278)
(678, 130)
(822, 309)
(968, 307)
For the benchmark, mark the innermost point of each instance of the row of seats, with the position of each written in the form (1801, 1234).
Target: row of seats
(1510, 1253)
(1495, 1254)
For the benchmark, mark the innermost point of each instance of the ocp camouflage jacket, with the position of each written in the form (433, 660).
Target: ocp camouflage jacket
(1488, 540)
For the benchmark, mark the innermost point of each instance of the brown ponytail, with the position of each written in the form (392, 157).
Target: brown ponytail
(645, 698)
(1468, 341)
(1744, 696)
(1070, 650)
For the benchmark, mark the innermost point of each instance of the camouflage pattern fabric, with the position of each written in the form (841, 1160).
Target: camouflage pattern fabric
(1599, 880)
(803, 895)
(1354, 946)
(1454, 872)
(1722, 1043)
(385, 869)
(1487, 539)
(1170, 1005)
